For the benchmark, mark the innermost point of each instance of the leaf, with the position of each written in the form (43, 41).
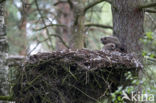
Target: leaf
(149, 35)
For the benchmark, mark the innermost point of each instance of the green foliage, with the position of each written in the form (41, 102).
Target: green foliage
(147, 84)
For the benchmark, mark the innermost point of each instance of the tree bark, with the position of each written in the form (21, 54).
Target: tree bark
(3, 53)
(24, 11)
(72, 16)
(23, 34)
(128, 24)
(64, 16)
(77, 37)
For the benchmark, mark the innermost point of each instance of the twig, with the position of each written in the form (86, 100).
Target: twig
(50, 25)
(84, 93)
(150, 11)
(59, 2)
(94, 3)
(64, 43)
(42, 18)
(55, 35)
(99, 25)
(147, 6)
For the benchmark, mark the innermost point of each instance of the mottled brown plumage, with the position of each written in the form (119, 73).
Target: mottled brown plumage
(112, 43)
(109, 46)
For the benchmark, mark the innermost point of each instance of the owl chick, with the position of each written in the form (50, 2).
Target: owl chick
(109, 46)
(112, 43)
(111, 39)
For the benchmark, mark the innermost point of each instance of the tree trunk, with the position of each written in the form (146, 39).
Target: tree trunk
(24, 10)
(77, 37)
(128, 24)
(72, 17)
(65, 17)
(3, 53)
(23, 34)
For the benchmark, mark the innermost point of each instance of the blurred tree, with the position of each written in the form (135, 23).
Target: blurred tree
(71, 15)
(24, 9)
(3, 52)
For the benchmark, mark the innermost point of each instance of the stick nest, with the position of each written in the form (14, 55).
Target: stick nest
(72, 76)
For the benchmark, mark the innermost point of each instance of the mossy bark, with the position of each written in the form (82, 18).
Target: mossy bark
(128, 22)
(3, 53)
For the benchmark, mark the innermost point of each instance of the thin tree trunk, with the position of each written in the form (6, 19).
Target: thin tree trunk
(24, 10)
(72, 16)
(23, 34)
(3, 53)
(64, 16)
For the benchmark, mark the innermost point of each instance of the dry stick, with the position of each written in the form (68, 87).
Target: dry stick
(41, 95)
(84, 93)
(34, 80)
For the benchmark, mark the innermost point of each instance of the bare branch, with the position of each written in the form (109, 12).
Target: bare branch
(43, 21)
(68, 1)
(39, 42)
(50, 25)
(94, 3)
(63, 42)
(147, 6)
(99, 25)
(150, 11)
(59, 2)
